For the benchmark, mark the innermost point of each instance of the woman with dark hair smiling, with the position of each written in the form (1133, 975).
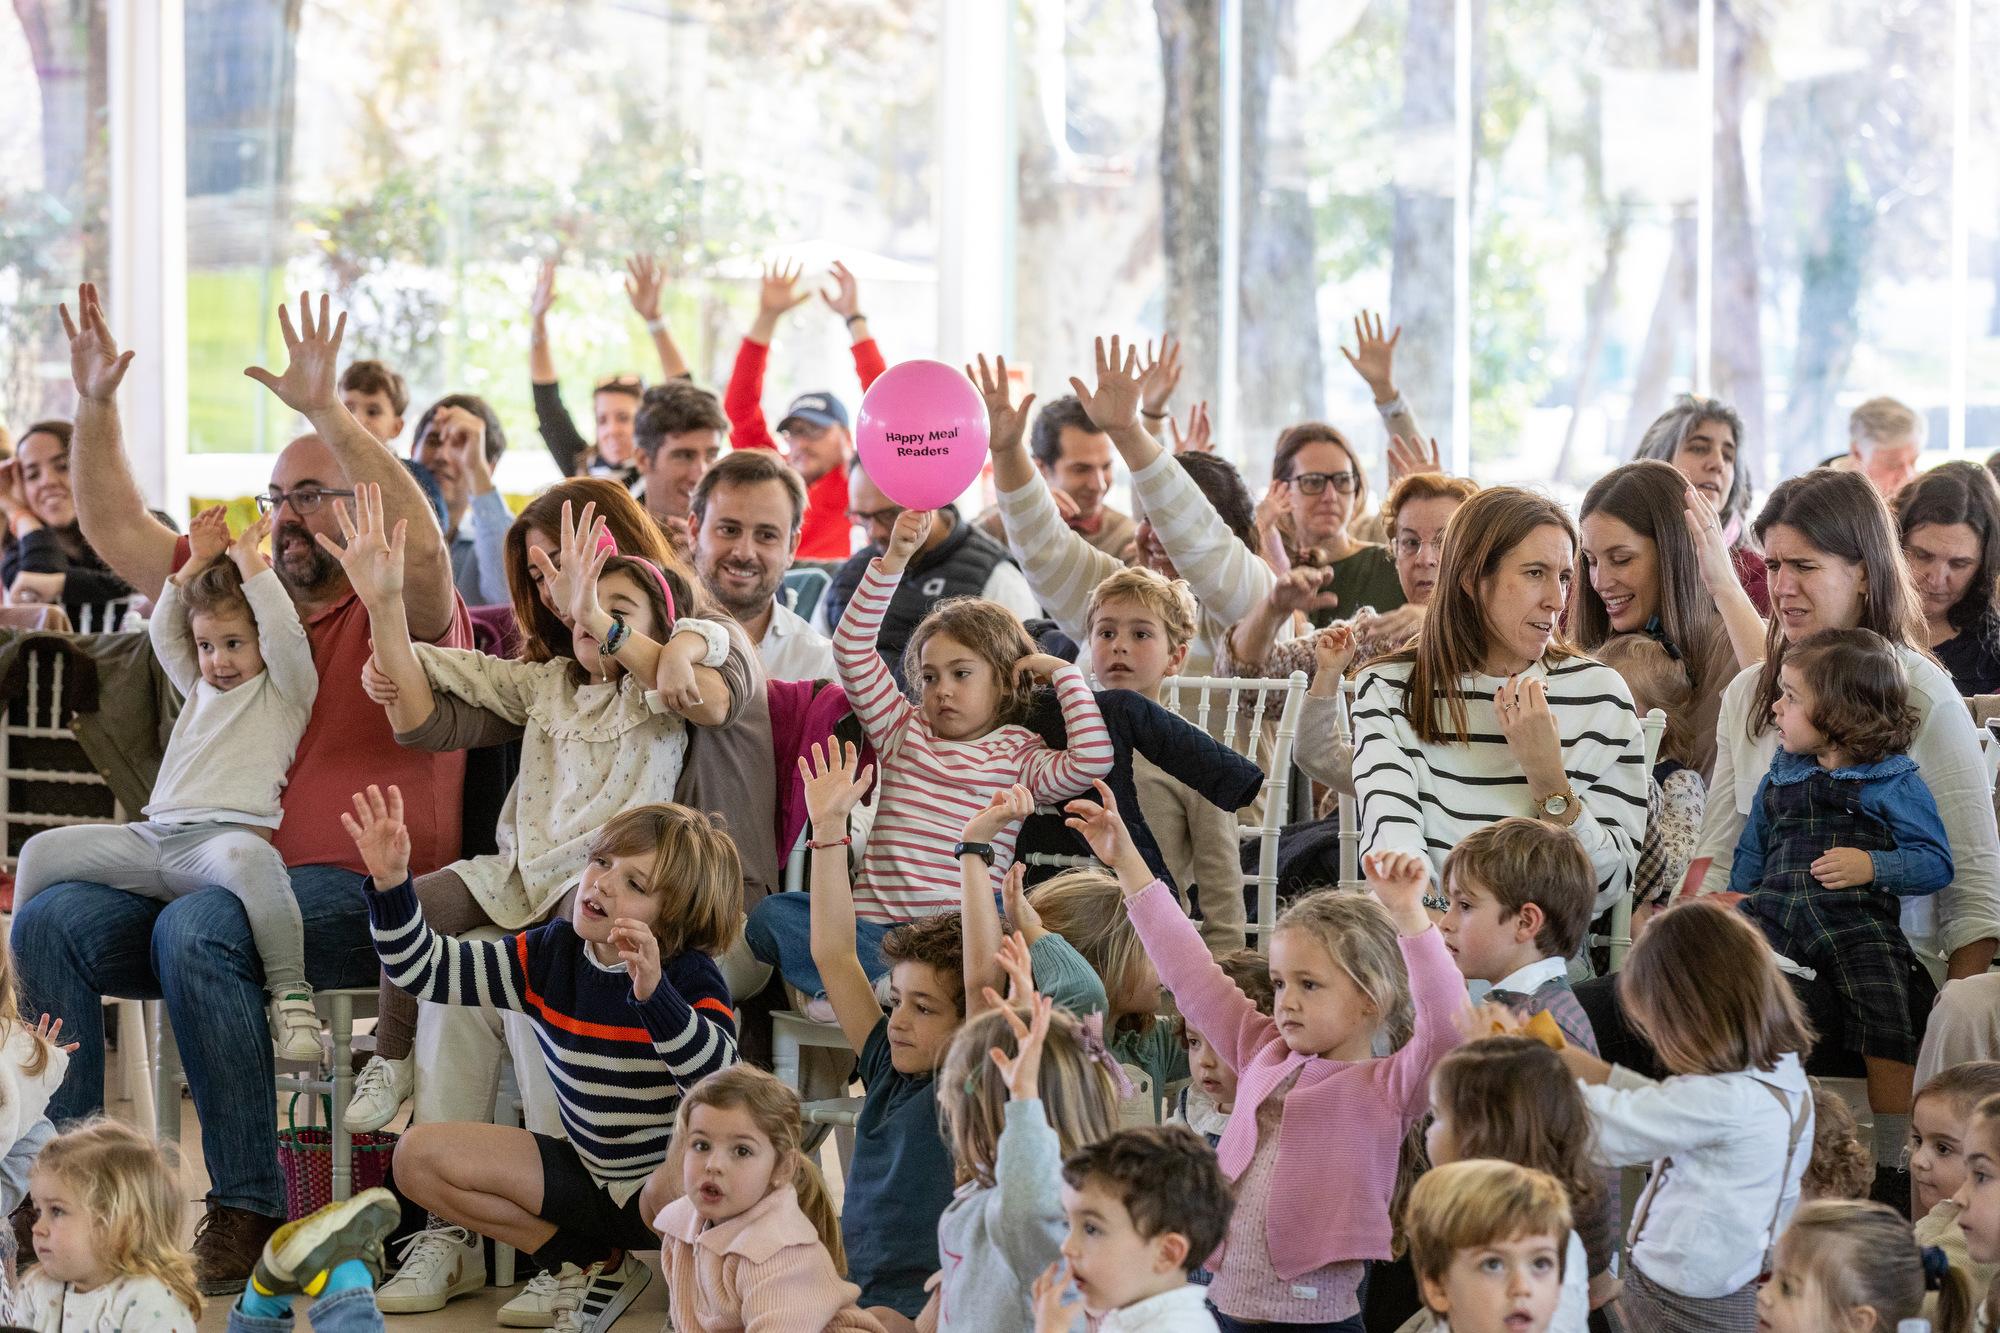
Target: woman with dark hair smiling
(1949, 520)
(1700, 437)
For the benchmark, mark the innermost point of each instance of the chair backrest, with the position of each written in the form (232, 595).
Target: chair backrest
(46, 780)
(1350, 808)
(803, 586)
(1239, 711)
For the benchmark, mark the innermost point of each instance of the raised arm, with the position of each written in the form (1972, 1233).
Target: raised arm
(1740, 620)
(565, 443)
(287, 651)
(978, 913)
(844, 299)
(373, 559)
(307, 387)
(835, 783)
(172, 636)
(109, 506)
(1303, 589)
(1374, 360)
(882, 708)
(644, 282)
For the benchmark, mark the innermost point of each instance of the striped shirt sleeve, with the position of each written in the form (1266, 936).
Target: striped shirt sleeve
(1062, 567)
(1385, 782)
(689, 1018)
(1054, 774)
(438, 968)
(884, 711)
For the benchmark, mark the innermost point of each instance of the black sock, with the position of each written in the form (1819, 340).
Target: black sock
(571, 1249)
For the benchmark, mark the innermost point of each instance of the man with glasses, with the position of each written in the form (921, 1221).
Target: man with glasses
(817, 439)
(956, 560)
(78, 941)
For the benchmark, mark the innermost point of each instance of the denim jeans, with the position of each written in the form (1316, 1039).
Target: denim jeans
(349, 1311)
(77, 942)
(779, 932)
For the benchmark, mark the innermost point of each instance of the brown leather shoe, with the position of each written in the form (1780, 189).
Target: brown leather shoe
(227, 1242)
(23, 1219)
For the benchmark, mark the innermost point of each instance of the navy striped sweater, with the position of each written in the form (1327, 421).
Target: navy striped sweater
(618, 1065)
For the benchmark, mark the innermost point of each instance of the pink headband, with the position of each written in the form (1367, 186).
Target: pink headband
(606, 541)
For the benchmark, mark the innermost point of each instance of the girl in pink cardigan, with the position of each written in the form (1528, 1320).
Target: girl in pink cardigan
(753, 1242)
(1313, 1145)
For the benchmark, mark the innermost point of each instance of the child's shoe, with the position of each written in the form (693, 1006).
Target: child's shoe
(299, 1255)
(379, 1093)
(534, 1307)
(592, 1298)
(440, 1264)
(295, 1027)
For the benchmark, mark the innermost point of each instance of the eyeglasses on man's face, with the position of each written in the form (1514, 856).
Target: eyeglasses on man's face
(886, 516)
(1315, 483)
(303, 500)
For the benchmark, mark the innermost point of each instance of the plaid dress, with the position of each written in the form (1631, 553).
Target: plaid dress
(1851, 938)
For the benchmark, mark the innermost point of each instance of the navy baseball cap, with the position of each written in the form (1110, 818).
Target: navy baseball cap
(821, 409)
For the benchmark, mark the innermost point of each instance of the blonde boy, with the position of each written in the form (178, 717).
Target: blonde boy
(1487, 1240)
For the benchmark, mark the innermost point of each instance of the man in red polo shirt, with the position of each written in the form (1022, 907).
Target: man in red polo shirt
(79, 941)
(818, 439)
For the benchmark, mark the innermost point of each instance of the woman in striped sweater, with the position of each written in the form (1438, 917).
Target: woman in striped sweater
(1490, 714)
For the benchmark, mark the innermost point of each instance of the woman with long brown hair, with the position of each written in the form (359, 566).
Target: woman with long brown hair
(1489, 712)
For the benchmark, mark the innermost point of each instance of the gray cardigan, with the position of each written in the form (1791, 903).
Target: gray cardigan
(993, 1243)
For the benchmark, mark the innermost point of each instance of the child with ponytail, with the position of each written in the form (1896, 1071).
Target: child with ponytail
(1848, 1266)
(754, 1241)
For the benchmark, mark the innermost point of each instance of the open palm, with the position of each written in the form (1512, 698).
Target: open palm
(95, 362)
(314, 345)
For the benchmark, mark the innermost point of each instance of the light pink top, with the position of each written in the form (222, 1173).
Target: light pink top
(762, 1271)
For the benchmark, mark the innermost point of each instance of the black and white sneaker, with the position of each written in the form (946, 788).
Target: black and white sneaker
(590, 1299)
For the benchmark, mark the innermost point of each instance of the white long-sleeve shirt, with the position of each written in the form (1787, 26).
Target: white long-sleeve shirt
(231, 751)
(1424, 798)
(1946, 749)
(1717, 1144)
(1227, 577)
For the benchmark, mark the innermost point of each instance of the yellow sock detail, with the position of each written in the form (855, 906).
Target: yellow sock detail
(317, 1285)
(259, 1287)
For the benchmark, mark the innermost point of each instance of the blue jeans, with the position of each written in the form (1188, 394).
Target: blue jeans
(350, 1311)
(77, 942)
(779, 933)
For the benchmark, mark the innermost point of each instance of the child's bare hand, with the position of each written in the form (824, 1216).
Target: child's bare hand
(1010, 805)
(1014, 901)
(1099, 823)
(378, 830)
(1023, 1072)
(1019, 966)
(1488, 1019)
(376, 684)
(835, 784)
(913, 528)
(1051, 1292)
(639, 949)
(208, 536)
(248, 548)
(50, 1030)
(1398, 881)
(674, 679)
(1333, 651)
(1844, 868)
(1039, 666)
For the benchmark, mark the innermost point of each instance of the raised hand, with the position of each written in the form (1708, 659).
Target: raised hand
(1303, 588)
(1099, 823)
(1022, 1073)
(778, 292)
(1198, 439)
(1114, 404)
(1718, 567)
(845, 297)
(1407, 458)
(1019, 966)
(1398, 881)
(378, 830)
(373, 554)
(49, 1030)
(247, 551)
(572, 583)
(1009, 805)
(639, 949)
(545, 291)
(1160, 377)
(1374, 356)
(1006, 424)
(835, 783)
(644, 281)
(912, 530)
(1333, 652)
(1051, 1293)
(95, 362)
(307, 386)
(208, 536)
(1014, 902)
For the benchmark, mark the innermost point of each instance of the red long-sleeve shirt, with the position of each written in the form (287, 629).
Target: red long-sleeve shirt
(826, 533)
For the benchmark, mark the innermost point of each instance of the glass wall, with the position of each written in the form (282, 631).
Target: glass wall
(54, 195)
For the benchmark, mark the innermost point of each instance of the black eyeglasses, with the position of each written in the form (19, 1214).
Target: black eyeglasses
(304, 500)
(1312, 483)
(886, 516)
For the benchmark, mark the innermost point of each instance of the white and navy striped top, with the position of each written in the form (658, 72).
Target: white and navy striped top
(1424, 798)
(617, 1084)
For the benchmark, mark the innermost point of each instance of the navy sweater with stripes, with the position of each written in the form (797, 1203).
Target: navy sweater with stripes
(619, 1065)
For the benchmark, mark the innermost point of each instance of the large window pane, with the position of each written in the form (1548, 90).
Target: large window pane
(427, 156)
(1589, 144)
(54, 197)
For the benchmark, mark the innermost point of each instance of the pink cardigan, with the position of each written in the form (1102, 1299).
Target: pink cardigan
(763, 1271)
(1343, 1124)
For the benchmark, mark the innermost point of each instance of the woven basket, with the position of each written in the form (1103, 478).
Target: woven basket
(306, 1156)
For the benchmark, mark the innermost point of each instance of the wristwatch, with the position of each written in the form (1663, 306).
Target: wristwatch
(982, 850)
(1561, 808)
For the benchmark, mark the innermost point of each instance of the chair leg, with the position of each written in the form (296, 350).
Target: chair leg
(343, 1089)
(135, 1061)
(166, 1079)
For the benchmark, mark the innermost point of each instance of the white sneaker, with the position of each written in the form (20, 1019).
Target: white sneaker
(379, 1093)
(591, 1299)
(295, 1027)
(534, 1307)
(438, 1265)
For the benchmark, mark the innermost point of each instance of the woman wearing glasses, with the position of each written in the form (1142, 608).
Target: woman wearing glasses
(1319, 486)
(1655, 563)
(45, 559)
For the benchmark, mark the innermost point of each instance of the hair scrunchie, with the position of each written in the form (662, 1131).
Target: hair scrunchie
(1937, 1267)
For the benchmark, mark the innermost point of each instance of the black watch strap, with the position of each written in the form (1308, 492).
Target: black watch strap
(982, 850)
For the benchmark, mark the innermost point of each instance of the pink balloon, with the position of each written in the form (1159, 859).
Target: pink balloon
(922, 433)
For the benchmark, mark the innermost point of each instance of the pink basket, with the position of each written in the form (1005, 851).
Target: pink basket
(306, 1156)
